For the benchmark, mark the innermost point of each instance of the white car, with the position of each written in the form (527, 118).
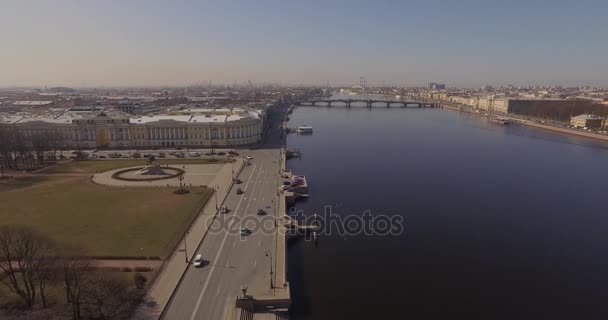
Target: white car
(198, 260)
(249, 157)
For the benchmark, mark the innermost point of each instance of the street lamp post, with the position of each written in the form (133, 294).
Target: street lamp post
(186, 245)
(269, 255)
(216, 189)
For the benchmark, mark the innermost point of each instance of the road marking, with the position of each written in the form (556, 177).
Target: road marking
(227, 263)
(200, 297)
(255, 263)
(234, 244)
(259, 243)
(218, 291)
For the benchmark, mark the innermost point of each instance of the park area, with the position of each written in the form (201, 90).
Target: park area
(92, 166)
(105, 221)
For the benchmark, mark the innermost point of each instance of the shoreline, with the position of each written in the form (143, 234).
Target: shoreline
(540, 126)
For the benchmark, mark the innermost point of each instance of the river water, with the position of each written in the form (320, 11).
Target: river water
(499, 222)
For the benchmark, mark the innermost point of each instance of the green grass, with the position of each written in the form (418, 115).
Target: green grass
(111, 164)
(103, 220)
(7, 184)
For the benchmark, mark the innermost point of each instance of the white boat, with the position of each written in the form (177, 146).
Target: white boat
(304, 129)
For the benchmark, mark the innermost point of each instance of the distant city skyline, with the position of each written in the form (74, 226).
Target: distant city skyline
(150, 43)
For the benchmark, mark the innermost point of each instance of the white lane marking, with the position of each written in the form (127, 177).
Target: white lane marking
(234, 244)
(218, 291)
(200, 297)
(259, 243)
(227, 263)
(255, 263)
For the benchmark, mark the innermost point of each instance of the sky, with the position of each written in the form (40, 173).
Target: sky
(464, 43)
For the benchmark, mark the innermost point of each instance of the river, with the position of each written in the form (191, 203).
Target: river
(499, 222)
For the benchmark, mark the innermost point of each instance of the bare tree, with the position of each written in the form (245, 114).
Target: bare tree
(76, 274)
(40, 143)
(24, 257)
(110, 297)
(7, 142)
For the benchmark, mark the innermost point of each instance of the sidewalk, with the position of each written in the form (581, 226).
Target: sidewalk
(169, 277)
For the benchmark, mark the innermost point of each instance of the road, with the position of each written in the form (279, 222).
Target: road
(233, 261)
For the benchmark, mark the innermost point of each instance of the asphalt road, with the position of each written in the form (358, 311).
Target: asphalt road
(233, 261)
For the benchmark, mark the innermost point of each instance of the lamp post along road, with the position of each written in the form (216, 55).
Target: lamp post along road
(186, 245)
(269, 255)
(216, 189)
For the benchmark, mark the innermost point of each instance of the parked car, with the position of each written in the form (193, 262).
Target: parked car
(245, 232)
(262, 212)
(221, 153)
(102, 157)
(223, 209)
(249, 157)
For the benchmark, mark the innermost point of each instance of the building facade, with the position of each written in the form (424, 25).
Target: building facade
(103, 131)
(587, 120)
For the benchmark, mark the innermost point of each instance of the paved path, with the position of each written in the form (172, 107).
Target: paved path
(195, 175)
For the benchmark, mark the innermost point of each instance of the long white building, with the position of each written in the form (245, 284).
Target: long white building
(195, 128)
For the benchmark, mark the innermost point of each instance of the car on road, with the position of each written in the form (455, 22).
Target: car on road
(238, 181)
(102, 157)
(221, 153)
(198, 260)
(249, 157)
(262, 212)
(245, 232)
(239, 191)
(223, 209)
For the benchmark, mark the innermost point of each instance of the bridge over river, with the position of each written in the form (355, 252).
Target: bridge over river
(369, 103)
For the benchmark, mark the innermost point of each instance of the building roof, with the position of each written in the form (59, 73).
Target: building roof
(31, 103)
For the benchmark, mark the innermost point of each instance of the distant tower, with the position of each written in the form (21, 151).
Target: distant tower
(362, 83)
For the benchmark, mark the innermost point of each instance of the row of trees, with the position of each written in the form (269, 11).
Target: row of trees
(25, 152)
(559, 110)
(30, 263)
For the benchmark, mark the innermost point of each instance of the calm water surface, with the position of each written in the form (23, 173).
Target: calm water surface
(501, 222)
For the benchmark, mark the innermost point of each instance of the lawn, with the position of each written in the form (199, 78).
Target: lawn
(104, 220)
(110, 164)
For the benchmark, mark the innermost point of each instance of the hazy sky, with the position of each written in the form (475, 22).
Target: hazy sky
(461, 43)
